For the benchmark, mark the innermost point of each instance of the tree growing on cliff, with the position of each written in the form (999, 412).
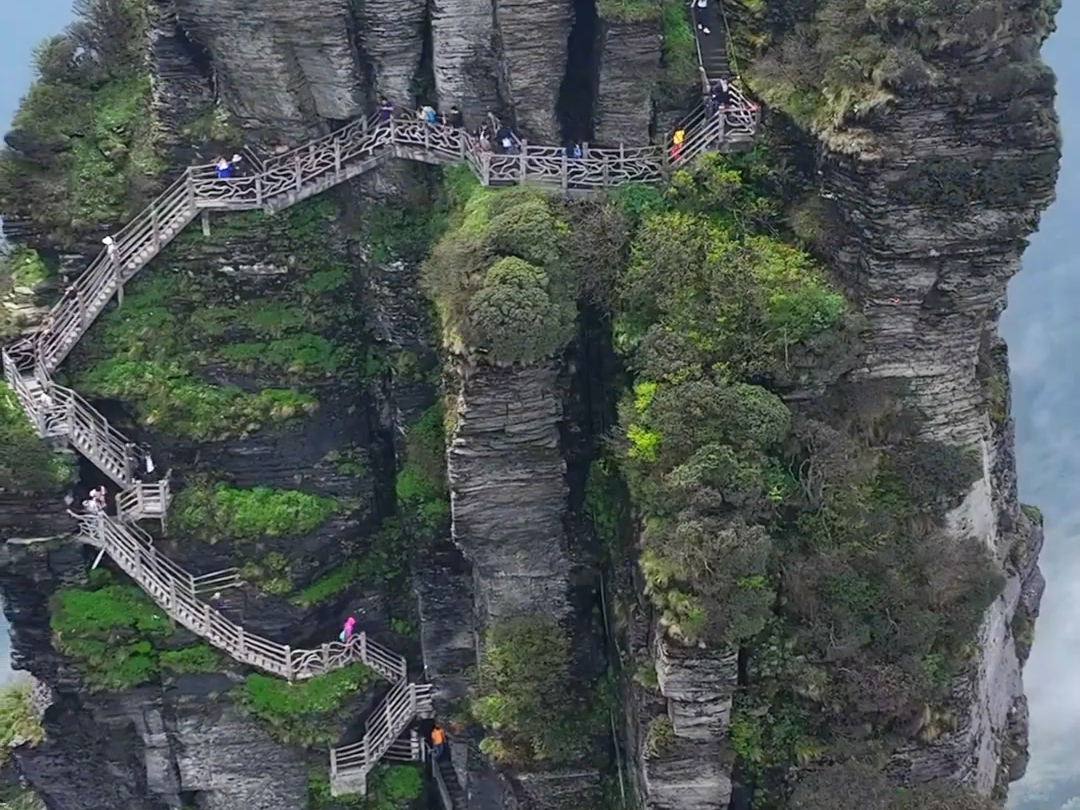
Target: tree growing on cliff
(866, 788)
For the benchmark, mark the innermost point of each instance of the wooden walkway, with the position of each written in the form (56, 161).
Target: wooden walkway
(59, 412)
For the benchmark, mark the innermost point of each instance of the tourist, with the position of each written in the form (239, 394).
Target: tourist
(222, 168)
(427, 112)
(347, 630)
(504, 139)
(456, 119)
(110, 248)
(438, 743)
(235, 164)
(484, 139)
(721, 94)
(575, 150)
(386, 110)
(676, 143)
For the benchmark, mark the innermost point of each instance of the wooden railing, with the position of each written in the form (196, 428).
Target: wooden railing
(56, 411)
(385, 724)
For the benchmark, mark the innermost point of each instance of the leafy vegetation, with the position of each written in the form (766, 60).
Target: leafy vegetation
(270, 574)
(384, 558)
(628, 11)
(812, 540)
(835, 58)
(499, 280)
(304, 712)
(118, 638)
(81, 153)
(389, 787)
(527, 702)
(19, 723)
(421, 482)
(866, 787)
(678, 55)
(219, 511)
(28, 464)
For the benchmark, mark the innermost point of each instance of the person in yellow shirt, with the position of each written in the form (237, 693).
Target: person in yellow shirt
(676, 143)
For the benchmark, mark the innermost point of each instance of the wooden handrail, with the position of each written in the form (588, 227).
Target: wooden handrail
(56, 411)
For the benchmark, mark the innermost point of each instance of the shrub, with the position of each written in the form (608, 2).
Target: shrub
(220, 511)
(27, 463)
(270, 574)
(304, 711)
(678, 57)
(82, 145)
(499, 278)
(660, 736)
(19, 723)
(385, 558)
(199, 658)
(526, 700)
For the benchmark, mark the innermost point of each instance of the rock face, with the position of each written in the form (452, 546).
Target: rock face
(629, 63)
(534, 37)
(927, 251)
(508, 490)
(466, 66)
(282, 66)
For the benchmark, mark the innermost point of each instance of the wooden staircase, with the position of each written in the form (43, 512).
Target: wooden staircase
(283, 180)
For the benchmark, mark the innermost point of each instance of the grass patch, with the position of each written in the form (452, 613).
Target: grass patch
(219, 511)
(22, 267)
(28, 464)
(19, 722)
(270, 574)
(421, 482)
(304, 712)
(386, 558)
(628, 11)
(118, 638)
(197, 658)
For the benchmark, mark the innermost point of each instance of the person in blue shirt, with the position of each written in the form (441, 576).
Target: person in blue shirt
(223, 168)
(575, 150)
(386, 110)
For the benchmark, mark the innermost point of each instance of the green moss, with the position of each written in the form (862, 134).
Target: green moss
(421, 482)
(628, 11)
(679, 64)
(349, 460)
(19, 723)
(28, 464)
(116, 636)
(270, 574)
(22, 267)
(170, 397)
(384, 559)
(1033, 512)
(198, 658)
(389, 787)
(219, 511)
(660, 736)
(304, 712)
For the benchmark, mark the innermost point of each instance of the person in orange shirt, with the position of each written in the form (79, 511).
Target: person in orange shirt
(438, 742)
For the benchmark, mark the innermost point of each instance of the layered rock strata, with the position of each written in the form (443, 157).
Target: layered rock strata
(629, 64)
(508, 490)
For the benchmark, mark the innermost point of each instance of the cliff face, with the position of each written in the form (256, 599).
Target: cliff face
(629, 62)
(508, 490)
(930, 269)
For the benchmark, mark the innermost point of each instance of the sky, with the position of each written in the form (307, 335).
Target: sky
(1044, 337)
(22, 26)
(1043, 333)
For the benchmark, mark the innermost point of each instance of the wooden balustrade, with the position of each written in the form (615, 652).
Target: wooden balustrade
(56, 411)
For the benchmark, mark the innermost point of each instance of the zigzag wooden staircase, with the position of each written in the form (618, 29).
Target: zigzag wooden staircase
(59, 412)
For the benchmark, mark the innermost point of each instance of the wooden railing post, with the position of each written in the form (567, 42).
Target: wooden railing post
(296, 169)
(155, 224)
(208, 617)
(565, 171)
(326, 657)
(485, 169)
(240, 641)
(337, 158)
(605, 170)
(258, 190)
(289, 674)
(523, 161)
(172, 591)
(189, 187)
(363, 647)
(427, 137)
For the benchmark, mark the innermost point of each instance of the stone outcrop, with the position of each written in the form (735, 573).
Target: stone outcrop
(629, 64)
(937, 197)
(464, 59)
(285, 67)
(508, 489)
(533, 37)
